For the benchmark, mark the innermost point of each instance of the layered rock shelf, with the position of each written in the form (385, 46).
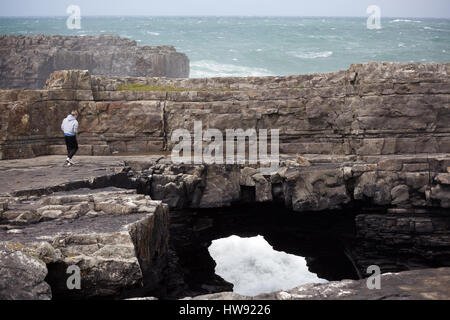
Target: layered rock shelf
(328, 183)
(372, 142)
(395, 235)
(370, 109)
(28, 61)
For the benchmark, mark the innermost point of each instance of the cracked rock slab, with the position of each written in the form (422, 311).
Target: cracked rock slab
(117, 239)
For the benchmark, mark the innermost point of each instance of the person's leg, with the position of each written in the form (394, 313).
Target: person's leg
(73, 147)
(68, 146)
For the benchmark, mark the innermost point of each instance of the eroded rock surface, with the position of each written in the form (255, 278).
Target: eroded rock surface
(105, 231)
(374, 136)
(29, 60)
(369, 110)
(328, 183)
(412, 239)
(22, 276)
(428, 284)
(117, 238)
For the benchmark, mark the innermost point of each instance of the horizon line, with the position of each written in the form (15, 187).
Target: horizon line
(208, 16)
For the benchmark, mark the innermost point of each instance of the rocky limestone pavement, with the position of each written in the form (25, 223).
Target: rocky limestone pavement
(28, 60)
(22, 276)
(44, 175)
(117, 238)
(370, 109)
(407, 228)
(376, 135)
(408, 181)
(427, 284)
(410, 191)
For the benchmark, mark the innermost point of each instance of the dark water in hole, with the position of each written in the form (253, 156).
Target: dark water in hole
(324, 239)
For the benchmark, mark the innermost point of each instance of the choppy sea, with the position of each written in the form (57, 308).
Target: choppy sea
(257, 46)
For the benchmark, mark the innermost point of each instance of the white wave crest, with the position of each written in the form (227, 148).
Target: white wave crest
(210, 68)
(153, 33)
(254, 267)
(312, 55)
(405, 20)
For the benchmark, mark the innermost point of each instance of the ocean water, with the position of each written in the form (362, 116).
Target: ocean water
(254, 267)
(258, 46)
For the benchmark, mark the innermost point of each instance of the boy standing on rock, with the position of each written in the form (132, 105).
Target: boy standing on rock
(70, 128)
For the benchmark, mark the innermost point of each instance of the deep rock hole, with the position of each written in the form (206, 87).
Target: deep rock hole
(327, 240)
(324, 239)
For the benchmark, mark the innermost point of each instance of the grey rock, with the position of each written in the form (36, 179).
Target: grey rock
(120, 246)
(443, 178)
(263, 190)
(303, 162)
(222, 187)
(22, 276)
(219, 296)
(408, 285)
(442, 194)
(29, 60)
(317, 115)
(143, 299)
(420, 236)
(400, 194)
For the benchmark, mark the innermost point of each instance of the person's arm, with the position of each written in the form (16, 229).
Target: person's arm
(62, 126)
(75, 127)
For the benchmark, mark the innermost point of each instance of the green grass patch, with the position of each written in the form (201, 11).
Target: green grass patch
(144, 87)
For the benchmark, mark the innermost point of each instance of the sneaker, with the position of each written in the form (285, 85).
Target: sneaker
(71, 162)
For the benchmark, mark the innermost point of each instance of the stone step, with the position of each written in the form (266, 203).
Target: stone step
(83, 150)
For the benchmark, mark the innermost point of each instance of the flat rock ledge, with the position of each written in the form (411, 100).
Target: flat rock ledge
(400, 183)
(116, 238)
(428, 284)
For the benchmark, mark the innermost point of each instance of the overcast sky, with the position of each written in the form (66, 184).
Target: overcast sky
(389, 8)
